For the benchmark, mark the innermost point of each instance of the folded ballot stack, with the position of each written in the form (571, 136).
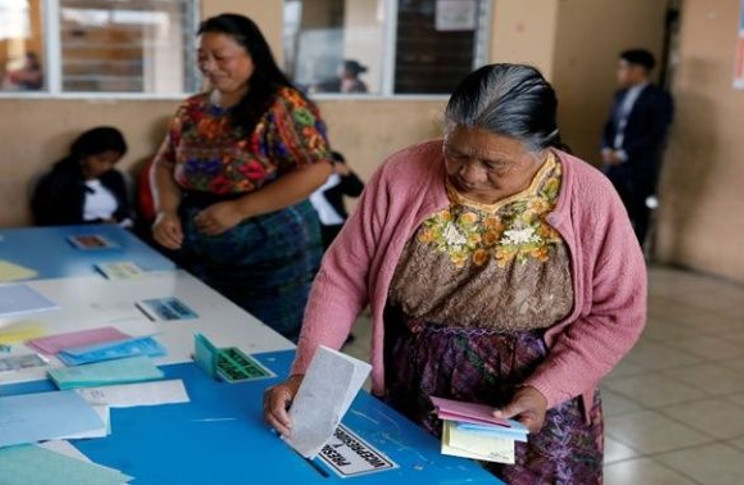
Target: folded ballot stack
(472, 431)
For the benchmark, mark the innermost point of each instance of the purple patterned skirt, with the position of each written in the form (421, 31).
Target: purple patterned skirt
(486, 367)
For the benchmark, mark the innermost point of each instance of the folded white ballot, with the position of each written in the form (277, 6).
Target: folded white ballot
(332, 381)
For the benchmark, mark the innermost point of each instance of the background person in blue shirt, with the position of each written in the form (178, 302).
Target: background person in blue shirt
(634, 135)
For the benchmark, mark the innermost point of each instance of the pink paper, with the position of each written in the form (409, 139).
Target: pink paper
(54, 343)
(468, 412)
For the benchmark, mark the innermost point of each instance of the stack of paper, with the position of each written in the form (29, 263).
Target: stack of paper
(35, 465)
(330, 385)
(29, 418)
(117, 349)
(13, 272)
(124, 270)
(472, 431)
(54, 343)
(20, 332)
(22, 299)
(122, 371)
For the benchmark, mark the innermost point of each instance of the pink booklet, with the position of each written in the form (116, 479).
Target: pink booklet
(467, 412)
(54, 343)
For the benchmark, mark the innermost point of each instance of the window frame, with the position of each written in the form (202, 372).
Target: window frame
(52, 41)
(481, 57)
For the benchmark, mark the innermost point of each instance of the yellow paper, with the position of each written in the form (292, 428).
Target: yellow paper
(20, 332)
(13, 272)
(476, 446)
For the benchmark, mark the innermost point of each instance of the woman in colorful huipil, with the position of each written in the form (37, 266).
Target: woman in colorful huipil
(500, 270)
(234, 173)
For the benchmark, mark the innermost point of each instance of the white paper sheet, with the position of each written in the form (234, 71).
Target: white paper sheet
(143, 394)
(476, 446)
(332, 381)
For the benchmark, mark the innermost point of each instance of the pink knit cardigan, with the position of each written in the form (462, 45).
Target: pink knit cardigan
(609, 274)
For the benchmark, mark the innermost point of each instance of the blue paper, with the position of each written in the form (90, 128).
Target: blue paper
(33, 465)
(517, 431)
(121, 371)
(119, 349)
(49, 415)
(21, 300)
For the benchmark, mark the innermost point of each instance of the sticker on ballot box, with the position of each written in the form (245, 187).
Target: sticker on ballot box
(348, 455)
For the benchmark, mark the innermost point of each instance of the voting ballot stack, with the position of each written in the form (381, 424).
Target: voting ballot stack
(471, 430)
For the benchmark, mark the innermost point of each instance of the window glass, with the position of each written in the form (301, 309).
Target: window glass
(21, 46)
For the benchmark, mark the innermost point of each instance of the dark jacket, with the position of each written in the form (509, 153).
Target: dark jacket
(59, 196)
(645, 131)
(350, 185)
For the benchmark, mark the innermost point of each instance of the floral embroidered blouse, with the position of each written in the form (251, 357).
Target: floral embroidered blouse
(498, 267)
(209, 154)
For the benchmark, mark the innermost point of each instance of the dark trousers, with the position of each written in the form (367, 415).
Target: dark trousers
(633, 192)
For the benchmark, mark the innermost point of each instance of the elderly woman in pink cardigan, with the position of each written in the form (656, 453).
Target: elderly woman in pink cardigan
(499, 269)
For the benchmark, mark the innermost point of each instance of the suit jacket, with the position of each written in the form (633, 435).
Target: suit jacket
(645, 131)
(59, 197)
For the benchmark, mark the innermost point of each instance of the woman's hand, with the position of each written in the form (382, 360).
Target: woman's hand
(528, 406)
(167, 230)
(276, 402)
(219, 217)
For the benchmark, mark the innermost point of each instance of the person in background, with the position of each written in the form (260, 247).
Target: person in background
(234, 173)
(328, 200)
(346, 80)
(30, 77)
(349, 73)
(634, 136)
(500, 270)
(84, 187)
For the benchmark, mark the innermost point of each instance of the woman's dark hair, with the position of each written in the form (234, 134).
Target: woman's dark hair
(94, 141)
(266, 79)
(512, 100)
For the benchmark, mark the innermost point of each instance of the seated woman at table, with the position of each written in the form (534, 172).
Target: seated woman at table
(500, 270)
(84, 187)
(234, 173)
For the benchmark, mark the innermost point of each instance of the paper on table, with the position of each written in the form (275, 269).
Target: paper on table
(28, 418)
(122, 371)
(34, 465)
(330, 385)
(478, 447)
(105, 414)
(130, 395)
(65, 448)
(20, 332)
(458, 410)
(14, 272)
(117, 349)
(21, 300)
(54, 343)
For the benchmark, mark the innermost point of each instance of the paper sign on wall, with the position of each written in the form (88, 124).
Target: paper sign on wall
(739, 62)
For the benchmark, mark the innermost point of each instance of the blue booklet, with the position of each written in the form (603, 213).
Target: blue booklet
(119, 349)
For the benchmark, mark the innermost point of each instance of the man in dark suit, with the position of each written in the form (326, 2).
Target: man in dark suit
(634, 136)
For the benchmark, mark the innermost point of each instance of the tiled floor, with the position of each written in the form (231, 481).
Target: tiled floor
(674, 408)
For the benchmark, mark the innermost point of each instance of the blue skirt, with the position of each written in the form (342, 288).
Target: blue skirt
(265, 264)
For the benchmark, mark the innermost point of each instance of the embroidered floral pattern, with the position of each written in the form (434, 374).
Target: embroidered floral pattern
(209, 154)
(515, 229)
